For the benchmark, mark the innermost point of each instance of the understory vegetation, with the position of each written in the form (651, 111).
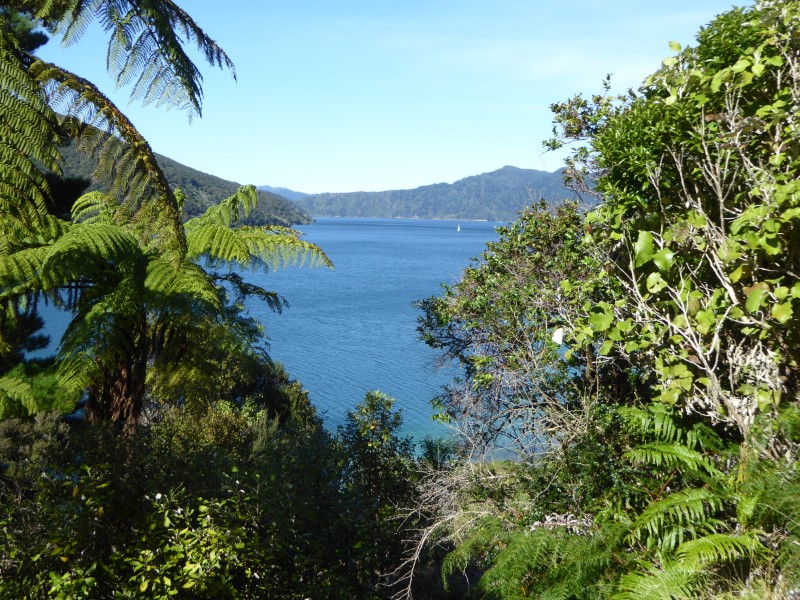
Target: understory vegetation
(627, 422)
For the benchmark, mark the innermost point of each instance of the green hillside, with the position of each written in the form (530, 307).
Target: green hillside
(496, 196)
(201, 189)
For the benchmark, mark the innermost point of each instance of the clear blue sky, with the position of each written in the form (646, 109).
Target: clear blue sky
(373, 95)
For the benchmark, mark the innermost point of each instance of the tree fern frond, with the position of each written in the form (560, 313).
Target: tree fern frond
(124, 155)
(673, 581)
(87, 251)
(229, 211)
(21, 271)
(77, 371)
(93, 207)
(213, 235)
(244, 289)
(187, 280)
(146, 46)
(279, 250)
(27, 136)
(16, 398)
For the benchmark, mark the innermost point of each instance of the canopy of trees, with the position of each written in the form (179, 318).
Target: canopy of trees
(658, 446)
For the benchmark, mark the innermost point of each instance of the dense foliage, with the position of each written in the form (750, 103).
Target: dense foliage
(161, 453)
(674, 396)
(628, 417)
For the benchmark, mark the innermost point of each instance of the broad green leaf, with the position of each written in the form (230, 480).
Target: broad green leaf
(782, 313)
(740, 65)
(755, 297)
(663, 259)
(655, 283)
(601, 316)
(643, 248)
(675, 46)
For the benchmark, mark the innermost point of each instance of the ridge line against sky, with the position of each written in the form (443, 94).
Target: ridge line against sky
(370, 96)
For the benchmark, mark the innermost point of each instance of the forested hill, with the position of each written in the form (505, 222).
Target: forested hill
(201, 189)
(496, 196)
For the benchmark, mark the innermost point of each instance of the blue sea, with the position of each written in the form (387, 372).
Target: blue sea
(353, 329)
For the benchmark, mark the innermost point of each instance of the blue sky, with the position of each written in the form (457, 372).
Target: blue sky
(374, 95)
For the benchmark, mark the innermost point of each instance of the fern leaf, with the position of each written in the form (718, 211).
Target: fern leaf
(16, 398)
(672, 456)
(686, 508)
(27, 136)
(189, 280)
(93, 207)
(21, 271)
(146, 46)
(124, 156)
(721, 548)
(674, 581)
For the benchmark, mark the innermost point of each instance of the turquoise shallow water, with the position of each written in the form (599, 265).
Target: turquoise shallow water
(353, 329)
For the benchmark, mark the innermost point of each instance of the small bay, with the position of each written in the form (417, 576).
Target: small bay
(353, 329)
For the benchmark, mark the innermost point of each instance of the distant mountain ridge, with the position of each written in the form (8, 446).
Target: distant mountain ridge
(201, 189)
(282, 191)
(495, 196)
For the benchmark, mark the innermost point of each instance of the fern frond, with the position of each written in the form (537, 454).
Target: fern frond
(93, 207)
(188, 280)
(146, 46)
(277, 250)
(16, 398)
(244, 289)
(213, 235)
(656, 420)
(21, 272)
(661, 422)
(27, 136)
(672, 456)
(230, 211)
(87, 251)
(689, 509)
(721, 548)
(218, 242)
(125, 157)
(551, 563)
(673, 581)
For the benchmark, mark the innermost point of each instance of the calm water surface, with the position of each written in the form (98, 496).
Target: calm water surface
(353, 329)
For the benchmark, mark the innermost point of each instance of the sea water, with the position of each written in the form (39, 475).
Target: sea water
(353, 329)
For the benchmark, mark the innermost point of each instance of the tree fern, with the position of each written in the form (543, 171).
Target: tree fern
(214, 235)
(125, 157)
(27, 136)
(146, 45)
